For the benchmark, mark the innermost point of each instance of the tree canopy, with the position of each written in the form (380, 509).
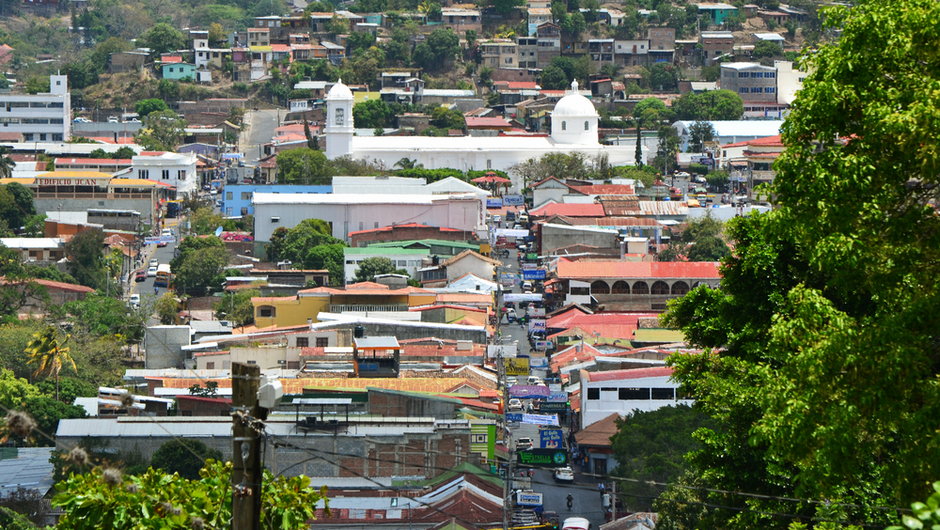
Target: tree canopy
(199, 265)
(373, 113)
(821, 361)
(162, 130)
(710, 105)
(303, 166)
(369, 268)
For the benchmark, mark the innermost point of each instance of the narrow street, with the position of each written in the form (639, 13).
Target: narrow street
(259, 131)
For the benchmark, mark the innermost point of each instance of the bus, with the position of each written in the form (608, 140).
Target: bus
(164, 276)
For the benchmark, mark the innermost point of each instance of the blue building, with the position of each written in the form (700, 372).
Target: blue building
(236, 198)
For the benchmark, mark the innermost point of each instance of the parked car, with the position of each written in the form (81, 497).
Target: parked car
(134, 300)
(527, 286)
(113, 119)
(576, 523)
(140, 275)
(534, 380)
(154, 262)
(564, 474)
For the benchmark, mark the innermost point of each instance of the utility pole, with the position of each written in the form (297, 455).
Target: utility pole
(246, 447)
(613, 500)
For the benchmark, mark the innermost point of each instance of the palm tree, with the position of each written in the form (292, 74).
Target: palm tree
(49, 354)
(6, 163)
(407, 163)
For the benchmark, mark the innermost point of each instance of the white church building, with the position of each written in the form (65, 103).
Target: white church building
(574, 130)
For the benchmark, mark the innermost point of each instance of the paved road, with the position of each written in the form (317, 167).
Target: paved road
(261, 125)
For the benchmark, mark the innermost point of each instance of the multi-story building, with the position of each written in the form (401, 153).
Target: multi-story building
(528, 48)
(631, 52)
(549, 43)
(462, 20)
(715, 44)
(601, 51)
(175, 169)
(498, 53)
(39, 117)
(536, 17)
(752, 81)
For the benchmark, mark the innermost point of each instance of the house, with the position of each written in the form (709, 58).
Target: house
(717, 13)
(462, 20)
(624, 391)
(632, 285)
(48, 293)
(175, 169)
(39, 250)
(132, 61)
(178, 71)
(307, 305)
(236, 198)
(105, 165)
(26, 472)
(408, 232)
(39, 117)
(595, 447)
(467, 261)
(751, 161)
(407, 259)
(716, 44)
(498, 53)
(632, 52)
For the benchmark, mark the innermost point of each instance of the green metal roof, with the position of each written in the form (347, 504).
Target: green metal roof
(372, 251)
(427, 242)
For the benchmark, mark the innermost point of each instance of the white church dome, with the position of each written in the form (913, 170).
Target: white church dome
(339, 91)
(573, 104)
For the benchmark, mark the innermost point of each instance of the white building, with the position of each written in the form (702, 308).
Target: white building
(408, 259)
(406, 186)
(624, 391)
(176, 169)
(348, 212)
(574, 130)
(39, 117)
(731, 131)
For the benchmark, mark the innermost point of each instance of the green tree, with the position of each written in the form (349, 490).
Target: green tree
(106, 499)
(199, 265)
(49, 355)
(328, 257)
(445, 118)
(162, 38)
(303, 166)
(369, 268)
(12, 520)
(373, 113)
(821, 361)
(162, 131)
(47, 412)
(505, 7)
(765, 49)
(236, 307)
(146, 106)
(167, 308)
(291, 243)
(205, 220)
(6, 163)
(554, 78)
(15, 391)
(438, 50)
(16, 203)
(710, 105)
(664, 77)
(666, 149)
(100, 315)
(559, 165)
(699, 133)
(651, 446)
(86, 262)
(184, 457)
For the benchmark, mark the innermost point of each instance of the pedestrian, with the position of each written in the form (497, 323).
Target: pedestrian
(156, 290)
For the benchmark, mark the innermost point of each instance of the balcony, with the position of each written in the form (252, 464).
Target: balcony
(366, 308)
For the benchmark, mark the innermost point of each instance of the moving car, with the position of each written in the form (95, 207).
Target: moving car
(564, 474)
(523, 443)
(576, 523)
(154, 262)
(152, 271)
(527, 286)
(134, 300)
(515, 404)
(141, 275)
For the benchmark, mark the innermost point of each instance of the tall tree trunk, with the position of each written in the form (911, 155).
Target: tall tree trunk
(639, 150)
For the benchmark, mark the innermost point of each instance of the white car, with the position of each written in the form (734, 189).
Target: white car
(527, 287)
(152, 271)
(564, 474)
(154, 262)
(515, 404)
(113, 119)
(134, 300)
(523, 444)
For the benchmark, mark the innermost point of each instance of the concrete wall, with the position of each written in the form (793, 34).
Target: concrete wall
(142, 205)
(554, 237)
(163, 346)
(384, 403)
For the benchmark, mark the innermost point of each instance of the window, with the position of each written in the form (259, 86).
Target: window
(275, 219)
(664, 393)
(266, 311)
(564, 126)
(744, 90)
(340, 117)
(302, 342)
(165, 174)
(770, 89)
(143, 173)
(181, 174)
(210, 366)
(56, 137)
(478, 438)
(228, 195)
(633, 393)
(245, 195)
(322, 342)
(586, 126)
(593, 393)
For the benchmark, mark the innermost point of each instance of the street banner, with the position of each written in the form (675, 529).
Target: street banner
(542, 345)
(522, 297)
(534, 274)
(513, 200)
(494, 202)
(528, 498)
(557, 397)
(551, 438)
(535, 312)
(516, 366)
(543, 457)
(538, 363)
(540, 419)
(528, 391)
(511, 232)
(537, 324)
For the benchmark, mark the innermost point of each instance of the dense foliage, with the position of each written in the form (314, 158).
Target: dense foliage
(199, 264)
(822, 361)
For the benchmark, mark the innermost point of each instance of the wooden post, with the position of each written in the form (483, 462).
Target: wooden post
(246, 448)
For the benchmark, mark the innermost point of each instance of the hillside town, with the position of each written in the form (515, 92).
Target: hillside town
(448, 266)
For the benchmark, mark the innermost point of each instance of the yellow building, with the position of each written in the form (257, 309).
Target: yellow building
(360, 297)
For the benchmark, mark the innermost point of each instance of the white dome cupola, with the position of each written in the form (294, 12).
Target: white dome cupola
(339, 121)
(574, 119)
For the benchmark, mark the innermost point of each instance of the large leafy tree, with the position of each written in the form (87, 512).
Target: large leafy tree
(369, 268)
(16, 201)
(86, 262)
(199, 265)
(373, 113)
(710, 105)
(163, 38)
(823, 350)
(162, 130)
(236, 307)
(438, 50)
(155, 499)
(303, 166)
(49, 354)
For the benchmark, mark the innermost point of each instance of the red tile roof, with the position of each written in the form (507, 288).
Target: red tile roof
(632, 373)
(486, 122)
(637, 269)
(406, 225)
(606, 189)
(572, 319)
(569, 210)
(765, 141)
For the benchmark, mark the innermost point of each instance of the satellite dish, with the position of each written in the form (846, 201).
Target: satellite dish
(218, 231)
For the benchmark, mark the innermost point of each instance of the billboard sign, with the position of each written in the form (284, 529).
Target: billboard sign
(536, 274)
(542, 345)
(551, 439)
(516, 366)
(543, 458)
(551, 406)
(538, 362)
(494, 202)
(537, 324)
(513, 200)
(558, 397)
(528, 391)
(522, 297)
